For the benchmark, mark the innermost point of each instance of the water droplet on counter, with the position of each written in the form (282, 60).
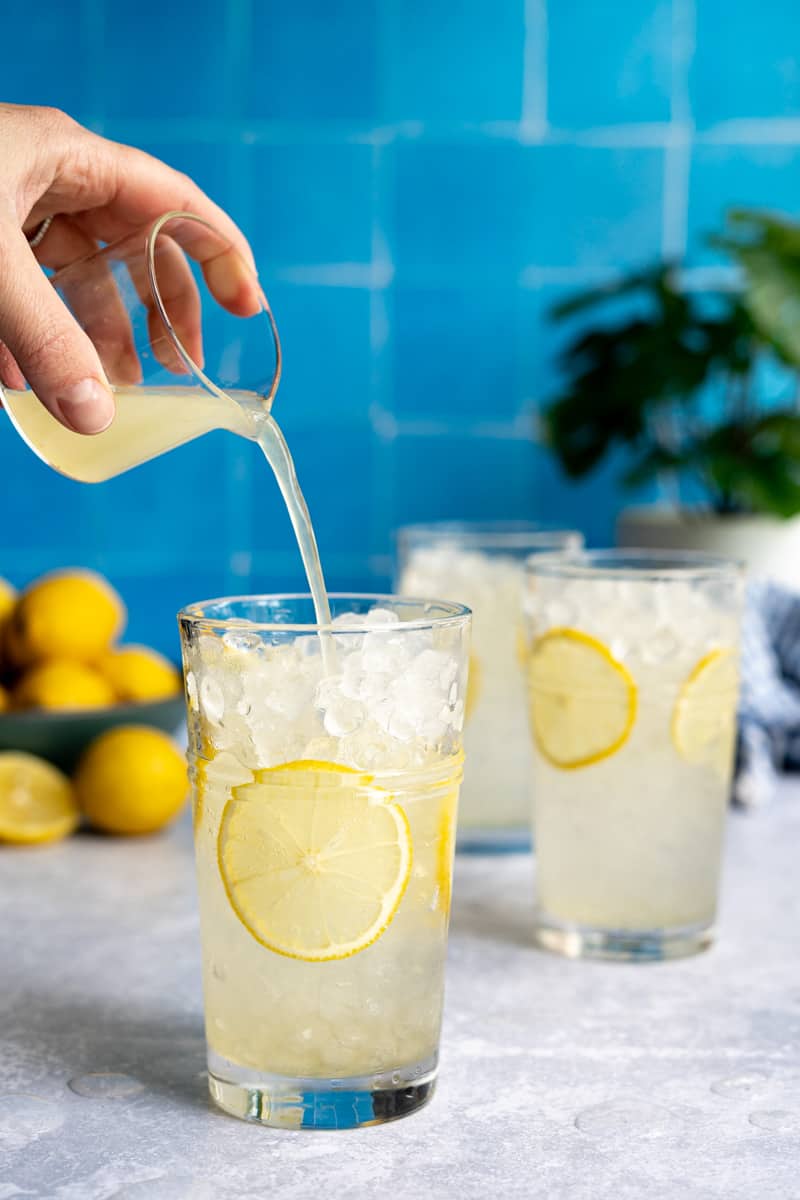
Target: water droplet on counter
(776, 1120)
(24, 1118)
(105, 1085)
(634, 1118)
(746, 1083)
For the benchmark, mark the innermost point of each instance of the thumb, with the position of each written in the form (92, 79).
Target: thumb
(54, 354)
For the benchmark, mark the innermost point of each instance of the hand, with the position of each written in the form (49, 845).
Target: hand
(97, 191)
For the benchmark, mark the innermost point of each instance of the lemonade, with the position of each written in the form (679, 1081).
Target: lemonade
(148, 422)
(482, 566)
(633, 675)
(325, 810)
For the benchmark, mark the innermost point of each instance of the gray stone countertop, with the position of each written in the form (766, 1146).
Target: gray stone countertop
(559, 1079)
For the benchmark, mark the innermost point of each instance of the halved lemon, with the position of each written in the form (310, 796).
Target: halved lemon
(704, 716)
(582, 700)
(37, 803)
(314, 859)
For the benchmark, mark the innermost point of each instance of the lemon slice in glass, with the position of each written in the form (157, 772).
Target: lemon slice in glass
(314, 858)
(445, 847)
(37, 803)
(473, 686)
(582, 700)
(704, 716)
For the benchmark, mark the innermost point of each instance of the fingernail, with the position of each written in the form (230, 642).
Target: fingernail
(88, 406)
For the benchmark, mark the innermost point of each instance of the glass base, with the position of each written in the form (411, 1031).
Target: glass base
(489, 840)
(283, 1102)
(622, 945)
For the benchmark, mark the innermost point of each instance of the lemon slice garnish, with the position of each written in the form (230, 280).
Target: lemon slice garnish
(473, 686)
(704, 716)
(314, 858)
(37, 803)
(521, 649)
(582, 700)
(445, 848)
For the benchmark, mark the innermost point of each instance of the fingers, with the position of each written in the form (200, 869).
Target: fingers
(10, 374)
(117, 189)
(180, 297)
(93, 297)
(230, 279)
(53, 353)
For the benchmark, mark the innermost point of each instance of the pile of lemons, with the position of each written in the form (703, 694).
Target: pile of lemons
(58, 651)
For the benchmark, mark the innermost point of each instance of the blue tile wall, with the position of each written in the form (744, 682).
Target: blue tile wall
(452, 62)
(752, 175)
(421, 181)
(312, 60)
(590, 208)
(746, 62)
(313, 204)
(598, 78)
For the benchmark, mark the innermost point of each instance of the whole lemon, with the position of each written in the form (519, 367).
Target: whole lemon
(62, 684)
(132, 779)
(70, 614)
(8, 598)
(137, 673)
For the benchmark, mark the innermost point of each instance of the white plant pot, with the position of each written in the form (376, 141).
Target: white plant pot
(769, 546)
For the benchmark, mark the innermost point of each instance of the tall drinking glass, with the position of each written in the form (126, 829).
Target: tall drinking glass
(325, 808)
(482, 565)
(633, 683)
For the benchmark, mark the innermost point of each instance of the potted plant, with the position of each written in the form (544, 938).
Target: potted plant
(681, 385)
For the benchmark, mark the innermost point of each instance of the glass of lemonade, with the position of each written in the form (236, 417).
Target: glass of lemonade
(633, 681)
(325, 767)
(482, 565)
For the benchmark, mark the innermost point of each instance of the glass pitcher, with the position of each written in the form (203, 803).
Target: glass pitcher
(180, 364)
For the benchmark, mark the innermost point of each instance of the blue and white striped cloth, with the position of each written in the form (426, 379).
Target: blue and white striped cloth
(769, 710)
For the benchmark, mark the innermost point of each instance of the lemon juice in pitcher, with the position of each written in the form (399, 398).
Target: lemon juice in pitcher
(149, 421)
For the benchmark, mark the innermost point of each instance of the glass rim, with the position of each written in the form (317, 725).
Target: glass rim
(144, 239)
(451, 614)
(511, 535)
(633, 564)
(157, 229)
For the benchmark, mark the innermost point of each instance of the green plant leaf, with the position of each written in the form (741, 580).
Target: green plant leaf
(640, 382)
(767, 247)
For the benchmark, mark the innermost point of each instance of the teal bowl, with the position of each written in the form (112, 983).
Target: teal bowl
(62, 737)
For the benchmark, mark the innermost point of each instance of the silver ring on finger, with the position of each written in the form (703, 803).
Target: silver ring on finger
(37, 237)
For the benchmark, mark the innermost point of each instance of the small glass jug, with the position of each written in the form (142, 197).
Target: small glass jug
(180, 361)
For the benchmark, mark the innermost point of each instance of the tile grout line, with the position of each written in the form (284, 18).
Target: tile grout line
(677, 154)
(533, 122)
(381, 393)
(93, 36)
(239, 455)
(752, 131)
(381, 349)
